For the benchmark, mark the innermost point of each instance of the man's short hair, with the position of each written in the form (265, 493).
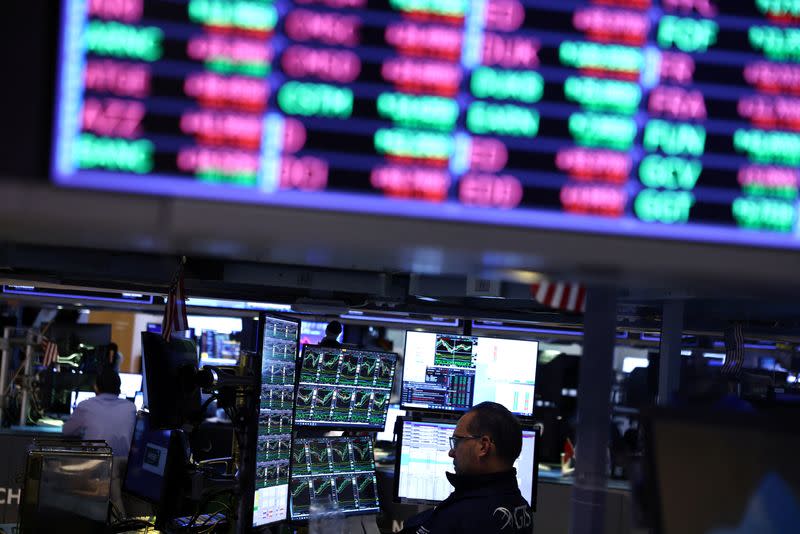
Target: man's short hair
(113, 346)
(108, 381)
(333, 329)
(494, 420)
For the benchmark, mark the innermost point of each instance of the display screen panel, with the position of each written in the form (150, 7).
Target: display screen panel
(669, 119)
(423, 459)
(450, 372)
(337, 472)
(344, 387)
(276, 399)
(745, 486)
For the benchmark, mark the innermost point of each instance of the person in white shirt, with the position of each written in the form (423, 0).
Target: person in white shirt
(107, 417)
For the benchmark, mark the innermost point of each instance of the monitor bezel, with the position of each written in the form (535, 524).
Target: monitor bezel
(399, 454)
(455, 411)
(338, 425)
(350, 513)
(649, 497)
(171, 447)
(250, 491)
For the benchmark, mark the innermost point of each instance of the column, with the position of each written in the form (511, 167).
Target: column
(594, 412)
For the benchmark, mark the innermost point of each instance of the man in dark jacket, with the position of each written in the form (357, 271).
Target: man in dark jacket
(332, 333)
(486, 498)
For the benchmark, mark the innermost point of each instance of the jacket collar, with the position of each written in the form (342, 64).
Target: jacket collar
(462, 483)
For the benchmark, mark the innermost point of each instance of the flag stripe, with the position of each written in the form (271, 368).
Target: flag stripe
(560, 295)
(175, 309)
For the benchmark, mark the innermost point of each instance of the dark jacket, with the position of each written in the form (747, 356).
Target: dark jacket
(330, 343)
(479, 504)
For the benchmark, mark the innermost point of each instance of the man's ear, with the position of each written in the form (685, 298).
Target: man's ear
(485, 446)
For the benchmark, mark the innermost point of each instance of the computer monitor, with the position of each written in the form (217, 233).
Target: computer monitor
(452, 373)
(333, 471)
(344, 388)
(78, 397)
(423, 460)
(278, 352)
(313, 332)
(130, 384)
(391, 418)
(147, 461)
(170, 367)
(138, 400)
(721, 473)
(156, 468)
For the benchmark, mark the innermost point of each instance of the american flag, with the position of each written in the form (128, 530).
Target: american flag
(50, 349)
(734, 350)
(560, 295)
(175, 309)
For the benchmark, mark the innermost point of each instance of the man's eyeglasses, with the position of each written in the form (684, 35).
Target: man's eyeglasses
(455, 440)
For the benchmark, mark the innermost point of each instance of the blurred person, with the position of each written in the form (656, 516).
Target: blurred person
(114, 358)
(332, 332)
(486, 497)
(111, 419)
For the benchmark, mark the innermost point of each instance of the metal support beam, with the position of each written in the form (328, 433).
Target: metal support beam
(5, 361)
(594, 412)
(24, 404)
(669, 363)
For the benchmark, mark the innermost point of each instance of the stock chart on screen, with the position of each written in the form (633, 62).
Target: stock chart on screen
(676, 119)
(339, 471)
(450, 372)
(276, 401)
(344, 387)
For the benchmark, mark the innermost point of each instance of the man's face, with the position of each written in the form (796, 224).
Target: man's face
(466, 453)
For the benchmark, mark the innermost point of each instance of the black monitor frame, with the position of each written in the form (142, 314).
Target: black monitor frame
(338, 425)
(248, 470)
(647, 498)
(164, 372)
(346, 513)
(398, 459)
(168, 503)
(522, 417)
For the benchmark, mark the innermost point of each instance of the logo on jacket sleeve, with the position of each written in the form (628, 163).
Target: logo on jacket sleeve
(520, 518)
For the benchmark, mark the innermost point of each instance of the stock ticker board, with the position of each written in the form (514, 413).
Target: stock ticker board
(672, 119)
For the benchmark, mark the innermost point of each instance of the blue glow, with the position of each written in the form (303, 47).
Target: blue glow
(272, 143)
(70, 82)
(472, 44)
(374, 319)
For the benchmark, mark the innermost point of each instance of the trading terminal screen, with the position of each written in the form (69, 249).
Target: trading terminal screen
(423, 460)
(450, 372)
(339, 471)
(344, 388)
(273, 446)
(672, 119)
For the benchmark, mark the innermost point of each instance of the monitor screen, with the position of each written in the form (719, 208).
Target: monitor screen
(450, 372)
(78, 397)
(746, 484)
(170, 367)
(344, 387)
(138, 400)
(313, 332)
(391, 418)
(130, 384)
(423, 460)
(336, 470)
(279, 338)
(669, 120)
(146, 477)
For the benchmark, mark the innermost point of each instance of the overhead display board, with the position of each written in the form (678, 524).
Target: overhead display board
(677, 119)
